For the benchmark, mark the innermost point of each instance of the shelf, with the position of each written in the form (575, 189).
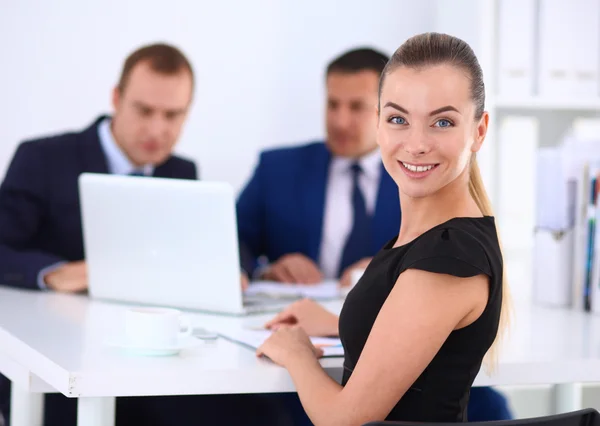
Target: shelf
(532, 103)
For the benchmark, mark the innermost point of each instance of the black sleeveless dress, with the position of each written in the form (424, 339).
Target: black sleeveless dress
(463, 247)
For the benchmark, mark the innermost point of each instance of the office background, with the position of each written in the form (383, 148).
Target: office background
(260, 83)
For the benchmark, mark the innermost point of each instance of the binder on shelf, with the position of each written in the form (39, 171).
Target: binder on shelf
(566, 257)
(592, 288)
(581, 153)
(516, 48)
(556, 45)
(552, 267)
(586, 47)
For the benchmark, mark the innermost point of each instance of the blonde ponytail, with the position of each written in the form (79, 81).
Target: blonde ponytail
(479, 194)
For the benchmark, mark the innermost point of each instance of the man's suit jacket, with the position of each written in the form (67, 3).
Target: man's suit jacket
(281, 209)
(40, 222)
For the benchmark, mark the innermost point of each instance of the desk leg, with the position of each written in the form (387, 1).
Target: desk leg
(26, 408)
(567, 397)
(96, 411)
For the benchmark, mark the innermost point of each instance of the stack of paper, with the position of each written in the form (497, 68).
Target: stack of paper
(325, 290)
(332, 346)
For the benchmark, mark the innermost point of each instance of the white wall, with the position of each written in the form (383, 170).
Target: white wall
(259, 66)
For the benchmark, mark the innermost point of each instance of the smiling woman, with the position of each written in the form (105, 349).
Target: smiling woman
(418, 324)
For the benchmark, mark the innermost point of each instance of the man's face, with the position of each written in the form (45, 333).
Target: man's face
(351, 117)
(149, 113)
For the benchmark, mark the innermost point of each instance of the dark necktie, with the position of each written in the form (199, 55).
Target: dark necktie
(358, 244)
(136, 173)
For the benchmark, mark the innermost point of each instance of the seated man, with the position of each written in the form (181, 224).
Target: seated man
(41, 242)
(318, 210)
(321, 210)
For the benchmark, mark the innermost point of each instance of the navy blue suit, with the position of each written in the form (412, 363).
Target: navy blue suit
(40, 221)
(281, 210)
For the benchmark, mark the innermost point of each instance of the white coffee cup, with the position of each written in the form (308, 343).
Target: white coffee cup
(155, 327)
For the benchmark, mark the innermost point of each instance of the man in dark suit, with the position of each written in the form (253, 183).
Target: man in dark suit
(41, 243)
(321, 210)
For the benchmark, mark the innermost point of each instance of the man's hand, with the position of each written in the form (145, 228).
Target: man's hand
(361, 265)
(244, 280)
(294, 268)
(68, 278)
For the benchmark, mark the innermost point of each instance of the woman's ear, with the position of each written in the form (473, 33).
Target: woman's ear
(480, 132)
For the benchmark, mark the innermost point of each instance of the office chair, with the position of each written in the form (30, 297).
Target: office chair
(585, 417)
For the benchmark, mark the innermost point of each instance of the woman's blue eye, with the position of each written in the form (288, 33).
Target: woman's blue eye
(397, 120)
(443, 123)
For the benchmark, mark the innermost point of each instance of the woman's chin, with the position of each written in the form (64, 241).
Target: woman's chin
(415, 193)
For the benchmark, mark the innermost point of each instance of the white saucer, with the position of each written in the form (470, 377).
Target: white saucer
(182, 343)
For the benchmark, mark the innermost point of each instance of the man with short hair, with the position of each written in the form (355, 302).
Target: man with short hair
(322, 209)
(41, 241)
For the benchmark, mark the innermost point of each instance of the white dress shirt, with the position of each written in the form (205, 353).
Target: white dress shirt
(339, 217)
(116, 160)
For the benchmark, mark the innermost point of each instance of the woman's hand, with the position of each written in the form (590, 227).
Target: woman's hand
(314, 319)
(287, 344)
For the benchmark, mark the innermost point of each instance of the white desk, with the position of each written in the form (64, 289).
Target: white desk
(52, 341)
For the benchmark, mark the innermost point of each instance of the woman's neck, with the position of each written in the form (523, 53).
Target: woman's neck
(421, 214)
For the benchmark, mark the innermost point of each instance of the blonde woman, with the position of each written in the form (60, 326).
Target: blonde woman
(417, 326)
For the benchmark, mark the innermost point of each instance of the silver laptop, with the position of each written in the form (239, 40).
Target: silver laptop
(166, 242)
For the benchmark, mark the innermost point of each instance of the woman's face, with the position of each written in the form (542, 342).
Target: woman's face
(426, 128)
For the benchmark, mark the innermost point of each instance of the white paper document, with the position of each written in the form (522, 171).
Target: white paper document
(325, 290)
(332, 346)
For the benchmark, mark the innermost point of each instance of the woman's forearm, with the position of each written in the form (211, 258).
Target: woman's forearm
(318, 392)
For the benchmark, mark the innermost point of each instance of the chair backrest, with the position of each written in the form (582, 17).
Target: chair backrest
(585, 417)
